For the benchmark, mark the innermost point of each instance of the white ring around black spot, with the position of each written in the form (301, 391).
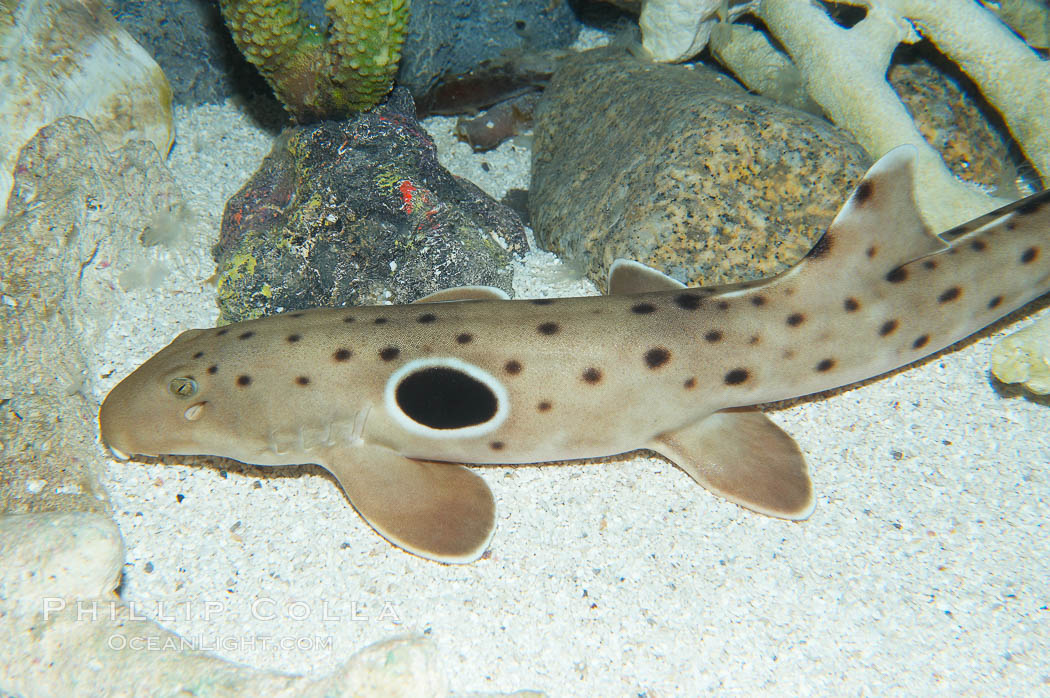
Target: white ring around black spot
(499, 392)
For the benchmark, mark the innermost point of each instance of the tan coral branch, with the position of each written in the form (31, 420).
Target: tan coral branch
(845, 72)
(1010, 75)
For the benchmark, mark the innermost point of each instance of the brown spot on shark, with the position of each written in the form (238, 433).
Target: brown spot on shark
(548, 328)
(737, 376)
(657, 357)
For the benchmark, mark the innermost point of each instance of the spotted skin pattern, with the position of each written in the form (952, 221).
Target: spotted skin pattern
(390, 398)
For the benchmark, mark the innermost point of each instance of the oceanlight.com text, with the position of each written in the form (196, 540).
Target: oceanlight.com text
(260, 609)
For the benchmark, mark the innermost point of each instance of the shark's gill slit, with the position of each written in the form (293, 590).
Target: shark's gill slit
(446, 397)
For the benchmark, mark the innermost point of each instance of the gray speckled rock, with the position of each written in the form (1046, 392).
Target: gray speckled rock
(682, 170)
(76, 211)
(189, 41)
(358, 212)
(451, 37)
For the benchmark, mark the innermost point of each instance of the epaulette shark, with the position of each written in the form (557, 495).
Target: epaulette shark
(393, 399)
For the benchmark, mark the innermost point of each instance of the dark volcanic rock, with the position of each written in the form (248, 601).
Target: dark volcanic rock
(680, 169)
(358, 212)
(447, 38)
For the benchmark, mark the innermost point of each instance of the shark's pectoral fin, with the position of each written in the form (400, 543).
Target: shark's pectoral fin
(745, 458)
(439, 511)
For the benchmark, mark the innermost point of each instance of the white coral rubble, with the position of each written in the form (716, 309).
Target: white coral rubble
(1024, 357)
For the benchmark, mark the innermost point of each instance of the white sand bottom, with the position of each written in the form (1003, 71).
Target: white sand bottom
(924, 568)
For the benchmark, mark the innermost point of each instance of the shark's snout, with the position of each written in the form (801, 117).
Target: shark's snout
(117, 421)
(110, 433)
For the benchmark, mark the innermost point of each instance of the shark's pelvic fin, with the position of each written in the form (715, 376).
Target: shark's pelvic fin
(439, 511)
(744, 457)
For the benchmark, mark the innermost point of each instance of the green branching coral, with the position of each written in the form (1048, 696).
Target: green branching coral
(318, 74)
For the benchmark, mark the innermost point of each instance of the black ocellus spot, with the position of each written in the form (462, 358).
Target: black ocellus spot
(440, 397)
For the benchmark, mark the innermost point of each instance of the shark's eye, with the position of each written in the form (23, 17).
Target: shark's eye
(183, 386)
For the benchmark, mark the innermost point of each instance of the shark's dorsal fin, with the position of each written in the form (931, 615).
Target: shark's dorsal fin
(627, 276)
(879, 222)
(465, 293)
